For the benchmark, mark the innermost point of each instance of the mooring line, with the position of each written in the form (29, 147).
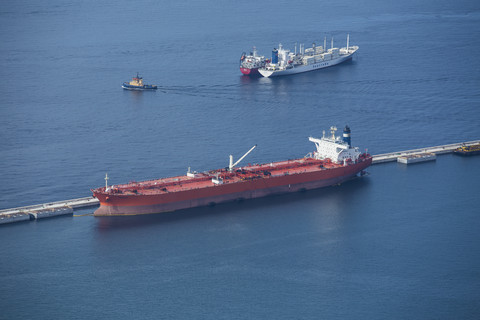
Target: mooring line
(83, 215)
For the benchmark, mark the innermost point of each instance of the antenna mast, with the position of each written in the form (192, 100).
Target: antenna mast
(332, 130)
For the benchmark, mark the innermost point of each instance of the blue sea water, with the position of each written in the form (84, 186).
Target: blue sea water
(400, 243)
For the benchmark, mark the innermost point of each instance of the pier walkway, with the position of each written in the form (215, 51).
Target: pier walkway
(68, 206)
(447, 148)
(45, 210)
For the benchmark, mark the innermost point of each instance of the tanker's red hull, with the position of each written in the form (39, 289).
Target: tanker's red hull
(252, 182)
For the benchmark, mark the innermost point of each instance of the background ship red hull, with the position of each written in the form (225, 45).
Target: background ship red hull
(158, 203)
(249, 72)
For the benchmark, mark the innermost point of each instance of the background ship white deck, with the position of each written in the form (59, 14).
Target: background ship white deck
(305, 68)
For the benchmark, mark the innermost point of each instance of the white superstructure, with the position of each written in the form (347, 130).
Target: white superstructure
(252, 61)
(284, 62)
(334, 148)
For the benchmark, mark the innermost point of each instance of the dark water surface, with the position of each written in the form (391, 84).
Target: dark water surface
(401, 243)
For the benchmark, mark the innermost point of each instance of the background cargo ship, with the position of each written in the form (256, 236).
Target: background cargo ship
(333, 162)
(249, 64)
(285, 62)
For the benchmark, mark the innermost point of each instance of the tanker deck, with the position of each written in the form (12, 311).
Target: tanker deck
(334, 162)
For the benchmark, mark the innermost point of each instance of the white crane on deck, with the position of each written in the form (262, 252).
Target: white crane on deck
(232, 165)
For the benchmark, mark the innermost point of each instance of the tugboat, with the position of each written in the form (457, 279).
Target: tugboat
(137, 84)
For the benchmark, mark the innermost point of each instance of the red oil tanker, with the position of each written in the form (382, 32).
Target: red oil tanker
(334, 161)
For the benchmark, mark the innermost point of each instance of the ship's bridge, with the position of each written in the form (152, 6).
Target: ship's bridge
(334, 148)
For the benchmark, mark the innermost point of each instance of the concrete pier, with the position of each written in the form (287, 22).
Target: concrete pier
(68, 206)
(46, 210)
(447, 148)
(14, 217)
(416, 158)
(48, 213)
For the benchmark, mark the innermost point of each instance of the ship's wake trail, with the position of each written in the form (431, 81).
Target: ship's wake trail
(233, 91)
(216, 88)
(228, 91)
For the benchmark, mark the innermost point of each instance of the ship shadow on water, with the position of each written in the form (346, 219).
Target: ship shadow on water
(244, 79)
(257, 86)
(339, 193)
